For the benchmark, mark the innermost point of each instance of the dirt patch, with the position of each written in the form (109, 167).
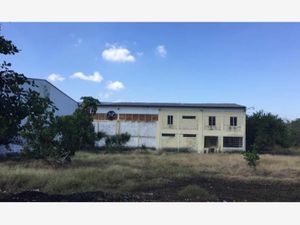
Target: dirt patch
(223, 190)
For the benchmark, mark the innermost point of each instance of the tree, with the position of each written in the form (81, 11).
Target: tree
(56, 139)
(40, 135)
(265, 131)
(294, 127)
(15, 103)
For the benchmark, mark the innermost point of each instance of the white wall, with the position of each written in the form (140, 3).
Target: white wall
(65, 105)
(142, 133)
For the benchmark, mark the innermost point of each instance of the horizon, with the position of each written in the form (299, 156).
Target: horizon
(251, 64)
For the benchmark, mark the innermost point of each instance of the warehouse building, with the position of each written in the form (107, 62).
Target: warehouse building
(200, 127)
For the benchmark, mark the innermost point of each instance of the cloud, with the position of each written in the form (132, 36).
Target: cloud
(114, 86)
(161, 51)
(117, 54)
(140, 53)
(78, 42)
(105, 95)
(96, 77)
(55, 77)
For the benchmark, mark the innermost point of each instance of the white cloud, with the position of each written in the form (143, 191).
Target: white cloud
(96, 77)
(114, 86)
(105, 95)
(161, 51)
(55, 77)
(117, 54)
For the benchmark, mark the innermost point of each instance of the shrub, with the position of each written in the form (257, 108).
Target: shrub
(193, 192)
(116, 142)
(251, 157)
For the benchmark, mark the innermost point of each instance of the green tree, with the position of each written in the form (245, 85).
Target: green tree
(294, 127)
(265, 131)
(56, 139)
(40, 134)
(15, 103)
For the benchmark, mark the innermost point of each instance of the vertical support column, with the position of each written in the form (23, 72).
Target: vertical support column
(118, 125)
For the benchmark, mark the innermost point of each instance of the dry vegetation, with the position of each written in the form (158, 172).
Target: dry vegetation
(135, 171)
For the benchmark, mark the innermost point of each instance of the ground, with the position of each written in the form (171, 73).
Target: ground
(152, 176)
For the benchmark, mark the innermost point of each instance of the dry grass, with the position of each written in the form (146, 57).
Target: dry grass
(132, 171)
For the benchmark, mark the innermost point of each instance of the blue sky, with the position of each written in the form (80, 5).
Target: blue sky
(253, 64)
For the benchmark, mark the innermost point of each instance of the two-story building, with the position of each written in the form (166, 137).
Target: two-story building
(200, 127)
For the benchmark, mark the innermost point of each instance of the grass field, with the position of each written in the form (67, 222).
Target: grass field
(160, 177)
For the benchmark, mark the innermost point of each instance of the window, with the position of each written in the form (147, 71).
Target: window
(212, 121)
(210, 141)
(232, 142)
(189, 135)
(233, 121)
(170, 120)
(167, 135)
(188, 117)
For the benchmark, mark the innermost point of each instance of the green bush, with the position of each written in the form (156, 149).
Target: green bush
(265, 131)
(251, 157)
(116, 142)
(194, 192)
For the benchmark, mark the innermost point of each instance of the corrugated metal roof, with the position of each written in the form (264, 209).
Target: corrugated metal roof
(174, 105)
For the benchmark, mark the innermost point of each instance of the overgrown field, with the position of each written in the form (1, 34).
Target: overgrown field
(159, 177)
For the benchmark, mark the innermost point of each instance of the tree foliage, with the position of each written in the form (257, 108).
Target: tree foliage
(18, 100)
(294, 127)
(56, 139)
(265, 131)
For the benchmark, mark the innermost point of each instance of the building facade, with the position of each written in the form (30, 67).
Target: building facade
(64, 103)
(199, 127)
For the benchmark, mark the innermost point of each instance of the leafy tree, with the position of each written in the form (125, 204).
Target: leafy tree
(56, 139)
(265, 131)
(294, 127)
(15, 103)
(39, 133)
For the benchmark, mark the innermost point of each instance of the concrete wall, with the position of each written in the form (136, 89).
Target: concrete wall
(200, 127)
(142, 132)
(189, 133)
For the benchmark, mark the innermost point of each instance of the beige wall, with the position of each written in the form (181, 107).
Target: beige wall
(199, 127)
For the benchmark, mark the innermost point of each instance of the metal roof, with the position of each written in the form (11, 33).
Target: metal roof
(174, 105)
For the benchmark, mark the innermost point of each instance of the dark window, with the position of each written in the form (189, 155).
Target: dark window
(233, 121)
(212, 121)
(188, 117)
(232, 142)
(167, 135)
(170, 120)
(189, 135)
(210, 141)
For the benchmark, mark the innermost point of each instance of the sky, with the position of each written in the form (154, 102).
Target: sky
(253, 64)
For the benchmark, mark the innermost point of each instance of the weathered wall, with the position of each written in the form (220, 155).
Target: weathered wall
(142, 133)
(200, 127)
(189, 133)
